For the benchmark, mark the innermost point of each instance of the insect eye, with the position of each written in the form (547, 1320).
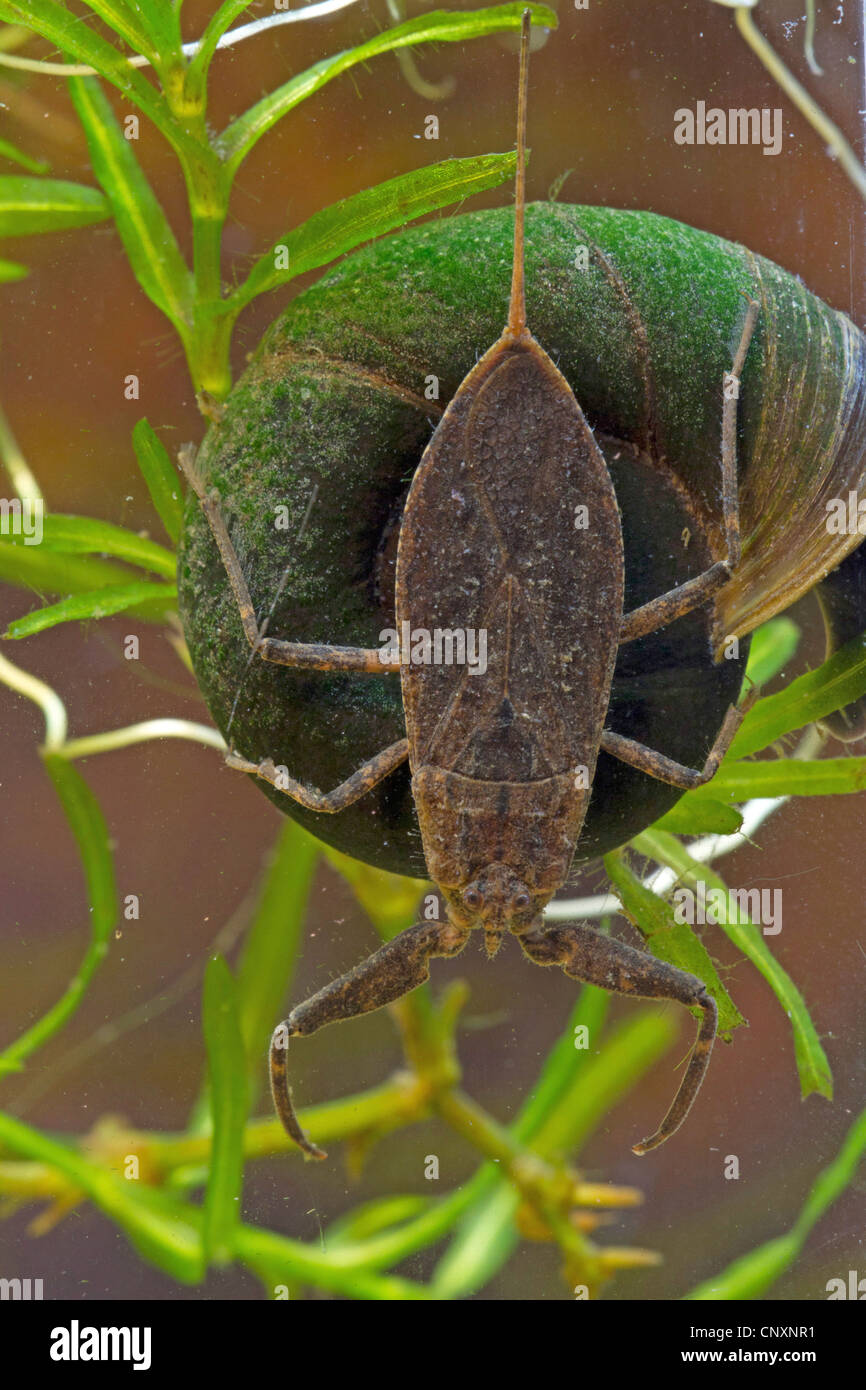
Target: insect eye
(472, 898)
(522, 900)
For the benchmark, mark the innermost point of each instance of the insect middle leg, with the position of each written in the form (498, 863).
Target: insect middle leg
(683, 599)
(394, 970)
(305, 656)
(600, 960)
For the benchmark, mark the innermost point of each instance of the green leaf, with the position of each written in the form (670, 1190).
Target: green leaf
(278, 1260)
(369, 1219)
(101, 603)
(839, 681)
(84, 535)
(10, 151)
(441, 26)
(772, 647)
(486, 1234)
(626, 1055)
(85, 817)
(751, 1275)
(783, 777)
(162, 23)
(84, 814)
(30, 205)
(704, 817)
(163, 480)
(132, 27)
(163, 1230)
(563, 1063)
(12, 270)
(667, 939)
(150, 27)
(812, 1065)
(48, 572)
(483, 1242)
(149, 241)
(67, 32)
(345, 225)
(273, 941)
(228, 12)
(228, 1103)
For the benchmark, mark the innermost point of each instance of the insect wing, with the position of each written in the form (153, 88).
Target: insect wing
(510, 540)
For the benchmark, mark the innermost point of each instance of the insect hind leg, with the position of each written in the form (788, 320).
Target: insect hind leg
(665, 769)
(600, 960)
(685, 598)
(367, 776)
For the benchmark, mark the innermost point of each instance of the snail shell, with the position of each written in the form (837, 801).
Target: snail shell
(642, 315)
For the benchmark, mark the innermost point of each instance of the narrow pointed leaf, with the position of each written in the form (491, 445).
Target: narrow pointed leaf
(76, 39)
(773, 644)
(162, 478)
(705, 817)
(87, 823)
(128, 25)
(839, 681)
(227, 1089)
(47, 205)
(48, 572)
(273, 941)
(149, 27)
(441, 26)
(667, 939)
(812, 1064)
(10, 151)
(370, 214)
(149, 241)
(228, 12)
(751, 1275)
(84, 535)
(781, 777)
(99, 604)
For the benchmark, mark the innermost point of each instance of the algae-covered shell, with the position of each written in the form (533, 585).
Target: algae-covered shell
(320, 438)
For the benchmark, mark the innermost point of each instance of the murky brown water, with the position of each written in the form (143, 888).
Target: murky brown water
(190, 836)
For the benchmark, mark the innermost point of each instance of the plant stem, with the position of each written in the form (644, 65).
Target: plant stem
(15, 463)
(805, 104)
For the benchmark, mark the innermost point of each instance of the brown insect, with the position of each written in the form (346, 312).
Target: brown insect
(503, 760)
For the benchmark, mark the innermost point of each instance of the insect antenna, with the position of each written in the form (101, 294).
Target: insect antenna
(517, 304)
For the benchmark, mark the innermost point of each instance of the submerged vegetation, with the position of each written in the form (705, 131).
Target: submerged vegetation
(183, 1215)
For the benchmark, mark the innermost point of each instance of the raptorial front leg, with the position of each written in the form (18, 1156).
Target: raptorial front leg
(394, 970)
(599, 960)
(369, 775)
(303, 656)
(685, 598)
